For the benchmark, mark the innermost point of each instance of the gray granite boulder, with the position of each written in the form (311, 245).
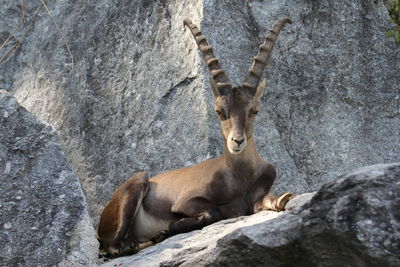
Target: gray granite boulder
(351, 221)
(134, 95)
(123, 85)
(43, 213)
(334, 90)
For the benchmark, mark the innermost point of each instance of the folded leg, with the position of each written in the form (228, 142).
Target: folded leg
(114, 233)
(271, 202)
(197, 212)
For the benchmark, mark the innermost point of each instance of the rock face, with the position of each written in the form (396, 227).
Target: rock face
(352, 221)
(134, 95)
(334, 91)
(123, 85)
(42, 207)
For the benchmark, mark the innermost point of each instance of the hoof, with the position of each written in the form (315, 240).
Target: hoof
(108, 254)
(282, 200)
(161, 236)
(122, 249)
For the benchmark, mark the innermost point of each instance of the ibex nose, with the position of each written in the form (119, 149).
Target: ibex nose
(238, 142)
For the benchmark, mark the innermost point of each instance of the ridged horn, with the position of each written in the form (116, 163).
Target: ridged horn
(217, 73)
(253, 76)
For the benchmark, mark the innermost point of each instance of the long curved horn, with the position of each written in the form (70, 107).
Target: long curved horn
(253, 76)
(217, 73)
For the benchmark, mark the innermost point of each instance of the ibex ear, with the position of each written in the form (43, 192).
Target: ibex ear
(214, 88)
(260, 89)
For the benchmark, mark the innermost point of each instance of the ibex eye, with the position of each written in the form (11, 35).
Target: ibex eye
(255, 112)
(221, 114)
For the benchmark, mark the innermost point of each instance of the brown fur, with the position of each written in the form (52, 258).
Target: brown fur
(119, 213)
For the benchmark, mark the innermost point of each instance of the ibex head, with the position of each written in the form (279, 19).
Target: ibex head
(237, 107)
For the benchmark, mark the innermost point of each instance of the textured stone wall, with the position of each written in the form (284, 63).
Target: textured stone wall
(137, 96)
(42, 207)
(334, 92)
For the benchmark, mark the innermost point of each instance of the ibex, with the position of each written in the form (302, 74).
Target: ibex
(234, 184)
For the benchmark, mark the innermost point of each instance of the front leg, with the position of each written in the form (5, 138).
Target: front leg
(271, 202)
(262, 198)
(198, 212)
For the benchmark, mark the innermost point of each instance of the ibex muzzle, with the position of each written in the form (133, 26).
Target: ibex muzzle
(234, 184)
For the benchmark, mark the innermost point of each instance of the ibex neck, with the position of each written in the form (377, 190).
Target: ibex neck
(247, 159)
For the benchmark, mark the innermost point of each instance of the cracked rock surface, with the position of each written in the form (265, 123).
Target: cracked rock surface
(123, 86)
(43, 212)
(135, 94)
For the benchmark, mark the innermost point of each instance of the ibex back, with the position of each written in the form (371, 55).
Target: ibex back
(234, 184)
